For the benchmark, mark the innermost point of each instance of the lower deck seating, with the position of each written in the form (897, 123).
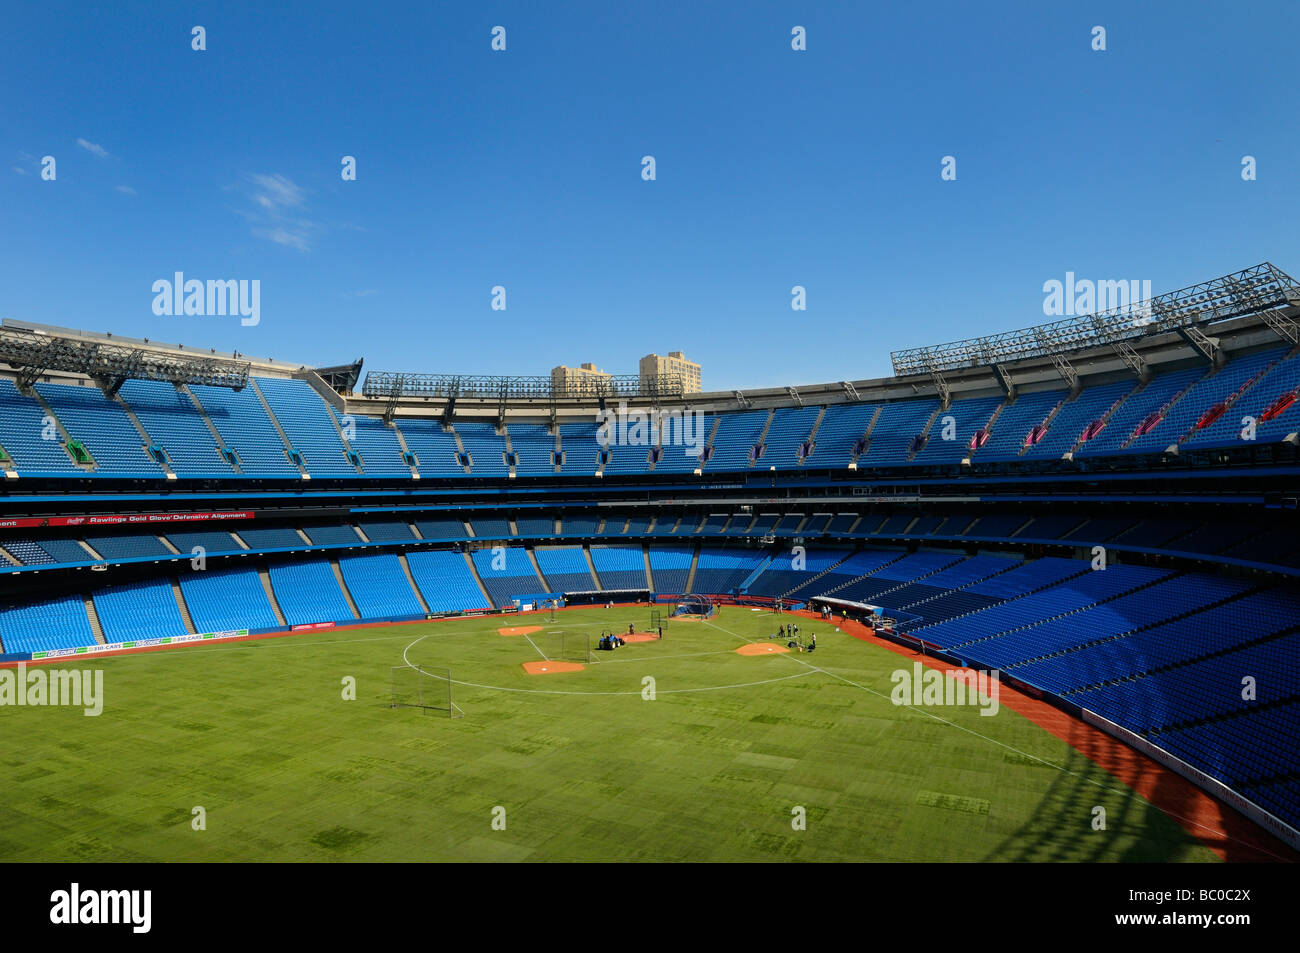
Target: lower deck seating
(308, 592)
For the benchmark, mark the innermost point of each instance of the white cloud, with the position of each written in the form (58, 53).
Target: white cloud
(276, 216)
(283, 236)
(94, 148)
(125, 189)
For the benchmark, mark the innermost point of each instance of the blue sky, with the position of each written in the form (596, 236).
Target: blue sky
(522, 168)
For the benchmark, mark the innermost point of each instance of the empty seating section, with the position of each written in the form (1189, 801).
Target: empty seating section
(961, 421)
(816, 524)
(221, 600)
(580, 449)
(35, 447)
(445, 581)
(859, 564)
(42, 625)
(138, 610)
(441, 528)
(683, 439)
(788, 431)
(376, 444)
(565, 568)
(1115, 616)
(379, 587)
(1153, 533)
(210, 543)
(613, 526)
(332, 535)
(386, 531)
(1075, 416)
(1254, 746)
(788, 570)
(1199, 690)
(893, 576)
(762, 525)
(736, 437)
(719, 571)
(739, 524)
(27, 552)
(578, 525)
(891, 438)
(1100, 528)
(1018, 418)
(1140, 404)
(316, 430)
(174, 423)
(972, 632)
(103, 428)
(895, 525)
(308, 592)
(1055, 526)
(664, 525)
(535, 526)
(1204, 394)
(788, 525)
(128, 547)
(620, 567)
(245, 428)
(671, 567)
(1281, 379)
(307, 423)
(842, 426)
(486, 447)
(1183, 638)
(434, 448)
(263, 538)
(923, 526)
(842, 523)
(954, 577)
(997, 525)
(534, 449)
(637, 526)
(506, 572)
(66, 551)
(490, 528)
(954, 525)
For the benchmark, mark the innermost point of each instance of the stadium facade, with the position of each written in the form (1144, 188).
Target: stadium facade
(1102, 508)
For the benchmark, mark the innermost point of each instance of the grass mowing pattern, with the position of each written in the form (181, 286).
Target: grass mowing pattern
(259, 735)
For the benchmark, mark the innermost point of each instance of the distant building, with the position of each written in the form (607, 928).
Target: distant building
(579, 381)
(655, 367)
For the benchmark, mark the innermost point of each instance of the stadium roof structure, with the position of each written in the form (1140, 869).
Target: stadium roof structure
(1262, 289)
(33, 353)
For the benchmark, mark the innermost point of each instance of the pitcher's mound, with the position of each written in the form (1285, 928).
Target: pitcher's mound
(761, 648)
(520, 629)
(640, 637)
(545, 667)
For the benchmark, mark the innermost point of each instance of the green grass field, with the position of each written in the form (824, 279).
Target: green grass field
(259, 735)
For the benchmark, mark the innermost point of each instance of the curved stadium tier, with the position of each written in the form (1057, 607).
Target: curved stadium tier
(1103, 510)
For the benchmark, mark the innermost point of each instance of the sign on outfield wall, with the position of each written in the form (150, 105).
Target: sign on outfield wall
(139, 644)
(123, 519)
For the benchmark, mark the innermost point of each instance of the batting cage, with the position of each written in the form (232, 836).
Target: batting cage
(428, 689)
